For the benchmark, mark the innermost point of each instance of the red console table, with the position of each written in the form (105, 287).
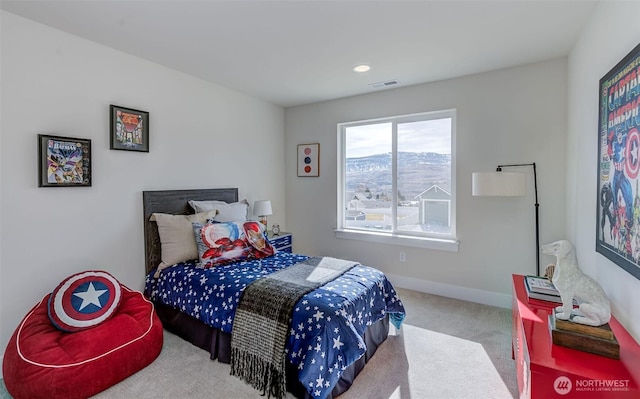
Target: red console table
(549, 371)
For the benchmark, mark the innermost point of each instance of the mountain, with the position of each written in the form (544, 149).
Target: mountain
(405, 160)
(417, 171)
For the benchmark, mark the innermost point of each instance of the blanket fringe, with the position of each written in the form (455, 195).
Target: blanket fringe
(259, 373)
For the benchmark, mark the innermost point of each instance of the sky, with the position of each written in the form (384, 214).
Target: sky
(423, 136)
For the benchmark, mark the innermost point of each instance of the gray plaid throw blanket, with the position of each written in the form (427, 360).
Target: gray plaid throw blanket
(263, 317)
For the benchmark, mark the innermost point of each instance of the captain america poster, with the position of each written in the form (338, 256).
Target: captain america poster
(618, 210)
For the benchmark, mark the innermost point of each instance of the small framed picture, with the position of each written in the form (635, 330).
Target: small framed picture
(129, 129)
(63, 161)
(309, 160)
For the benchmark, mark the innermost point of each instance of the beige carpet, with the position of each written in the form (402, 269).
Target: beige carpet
(446, 349)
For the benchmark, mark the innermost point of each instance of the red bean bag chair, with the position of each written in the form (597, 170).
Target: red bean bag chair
(42, 361)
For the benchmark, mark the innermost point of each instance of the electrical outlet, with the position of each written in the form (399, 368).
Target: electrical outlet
(403, 257)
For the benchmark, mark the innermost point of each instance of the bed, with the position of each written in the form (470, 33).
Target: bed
(335, 329)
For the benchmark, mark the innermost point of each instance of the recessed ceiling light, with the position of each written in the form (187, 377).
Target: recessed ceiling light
(361, 68)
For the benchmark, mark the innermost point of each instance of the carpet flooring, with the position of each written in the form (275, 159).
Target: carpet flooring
(446, 349)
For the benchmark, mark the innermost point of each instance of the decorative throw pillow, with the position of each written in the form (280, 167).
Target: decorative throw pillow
(235, 211)
(176, 237)
(84, 300)
(228, 242)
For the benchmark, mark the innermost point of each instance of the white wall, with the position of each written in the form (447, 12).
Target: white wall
(515, 115)
(603, 43)
(55, 83)
(201, 135)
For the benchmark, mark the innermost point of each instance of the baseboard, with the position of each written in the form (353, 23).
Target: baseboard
(452, 291)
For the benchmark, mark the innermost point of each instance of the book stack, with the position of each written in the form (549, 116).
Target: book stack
(599, 340)
(541, 288)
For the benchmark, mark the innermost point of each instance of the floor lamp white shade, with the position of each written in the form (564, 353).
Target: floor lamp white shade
(508, 184)
(498, 184)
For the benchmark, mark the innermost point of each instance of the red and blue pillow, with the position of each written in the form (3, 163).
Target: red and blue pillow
(228, 242)
(84, 300)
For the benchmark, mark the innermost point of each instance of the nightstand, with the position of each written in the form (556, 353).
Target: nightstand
(546, 370)
(282, 242)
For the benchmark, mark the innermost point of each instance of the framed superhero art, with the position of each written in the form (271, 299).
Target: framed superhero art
(129, 129)
(63, 161)
(618, 204)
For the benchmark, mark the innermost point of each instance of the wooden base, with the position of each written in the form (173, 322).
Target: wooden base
(587, 343)
(604, 331)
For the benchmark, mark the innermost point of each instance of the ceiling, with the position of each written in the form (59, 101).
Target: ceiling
(299, 52)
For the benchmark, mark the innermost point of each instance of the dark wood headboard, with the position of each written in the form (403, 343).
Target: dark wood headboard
(175, 202)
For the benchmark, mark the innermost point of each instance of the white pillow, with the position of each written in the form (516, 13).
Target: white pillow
(233, 212)
(178, 243)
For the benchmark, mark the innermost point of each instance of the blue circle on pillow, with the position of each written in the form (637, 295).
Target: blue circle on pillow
(91, 307)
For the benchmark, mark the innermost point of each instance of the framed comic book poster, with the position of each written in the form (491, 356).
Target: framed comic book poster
(129, 129)
(63, 161)
(618, 205)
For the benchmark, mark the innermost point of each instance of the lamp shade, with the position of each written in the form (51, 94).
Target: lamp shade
(262, 208)
(498, 184)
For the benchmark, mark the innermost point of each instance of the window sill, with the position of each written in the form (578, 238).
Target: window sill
(394, 239)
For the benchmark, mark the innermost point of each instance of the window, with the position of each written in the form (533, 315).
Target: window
(396, 177)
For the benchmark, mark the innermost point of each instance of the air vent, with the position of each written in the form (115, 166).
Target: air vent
(388, 83)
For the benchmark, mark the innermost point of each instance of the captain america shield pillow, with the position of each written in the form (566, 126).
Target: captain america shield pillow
(84, 300)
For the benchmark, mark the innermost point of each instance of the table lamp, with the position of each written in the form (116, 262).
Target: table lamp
(262, 209)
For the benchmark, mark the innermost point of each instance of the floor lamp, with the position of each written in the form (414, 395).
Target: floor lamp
(508, 184)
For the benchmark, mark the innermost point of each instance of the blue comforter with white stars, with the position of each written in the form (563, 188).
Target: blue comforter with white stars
(328, 324)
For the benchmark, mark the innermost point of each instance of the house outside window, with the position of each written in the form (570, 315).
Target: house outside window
(396, 177)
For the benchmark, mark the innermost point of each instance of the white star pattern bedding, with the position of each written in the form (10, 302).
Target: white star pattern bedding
(328, 324)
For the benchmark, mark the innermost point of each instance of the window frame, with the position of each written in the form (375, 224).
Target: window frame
(447, 242)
